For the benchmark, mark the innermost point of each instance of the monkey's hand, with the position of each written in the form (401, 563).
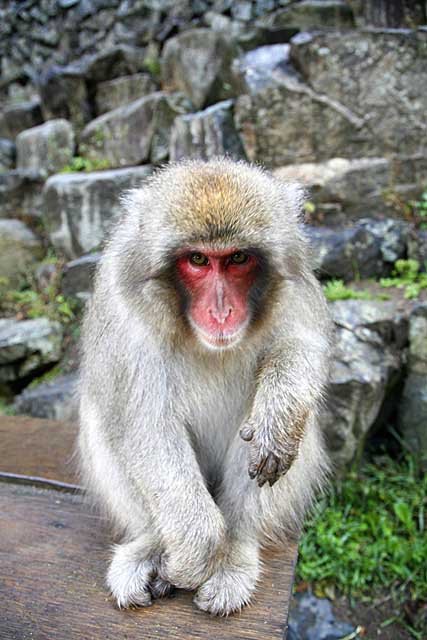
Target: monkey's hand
(273, 448)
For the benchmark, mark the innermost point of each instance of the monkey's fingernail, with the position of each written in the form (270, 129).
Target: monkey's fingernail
(271, 481)
(261, 481)
(246, 433)
(252, 474)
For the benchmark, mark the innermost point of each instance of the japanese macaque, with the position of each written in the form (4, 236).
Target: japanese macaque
(205, 357)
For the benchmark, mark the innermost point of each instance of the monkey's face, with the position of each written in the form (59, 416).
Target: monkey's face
(217, 286)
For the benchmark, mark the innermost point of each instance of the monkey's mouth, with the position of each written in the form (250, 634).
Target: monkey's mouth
(219, 340)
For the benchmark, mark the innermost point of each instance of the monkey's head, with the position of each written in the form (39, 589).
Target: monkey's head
(206, 246)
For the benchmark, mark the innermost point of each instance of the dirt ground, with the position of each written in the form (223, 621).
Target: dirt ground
(373, 618)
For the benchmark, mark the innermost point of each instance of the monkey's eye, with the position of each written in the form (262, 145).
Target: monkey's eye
(239, 257)
(199, 259)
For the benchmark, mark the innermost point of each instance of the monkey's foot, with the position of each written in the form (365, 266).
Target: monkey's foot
(129, 579)
(226, 591)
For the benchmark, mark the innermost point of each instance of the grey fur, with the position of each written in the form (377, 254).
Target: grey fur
(161, 413)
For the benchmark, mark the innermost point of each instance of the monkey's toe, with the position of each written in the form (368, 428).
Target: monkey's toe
(227, 591)
(160, 588)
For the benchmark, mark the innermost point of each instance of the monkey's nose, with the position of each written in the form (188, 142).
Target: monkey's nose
(221, 315)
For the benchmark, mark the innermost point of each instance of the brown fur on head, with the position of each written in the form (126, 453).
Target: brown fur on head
(218, 204)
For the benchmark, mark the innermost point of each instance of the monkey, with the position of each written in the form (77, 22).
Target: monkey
(205, 357)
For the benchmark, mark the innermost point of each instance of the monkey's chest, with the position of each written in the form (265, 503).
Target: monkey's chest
(215, 415)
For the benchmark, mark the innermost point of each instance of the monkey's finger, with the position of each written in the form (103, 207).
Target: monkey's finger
(270, 471)
(247, 432)
(256, 465)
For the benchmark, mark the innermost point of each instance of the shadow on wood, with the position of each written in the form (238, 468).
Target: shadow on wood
(54, 553)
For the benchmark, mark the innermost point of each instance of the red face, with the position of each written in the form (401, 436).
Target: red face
(218, 285)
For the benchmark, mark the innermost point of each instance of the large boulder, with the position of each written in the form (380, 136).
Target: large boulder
(367, 366)
(19, 250)
(310, 108)
(366, 250)
(198, 63)
(56, 400)
(80, 207)
(206, 134)
(413, 407)
(18, 117)
(112, 94)
(378, 75)
(7, 154)
(21, 194)
(46, 148)
(131, 134)
(27, 347)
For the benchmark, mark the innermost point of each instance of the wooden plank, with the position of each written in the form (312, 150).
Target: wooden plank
(53, 557)
(36, 447)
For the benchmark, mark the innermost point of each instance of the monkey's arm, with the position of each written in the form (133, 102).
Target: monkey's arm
(290, 385)
(162, 467)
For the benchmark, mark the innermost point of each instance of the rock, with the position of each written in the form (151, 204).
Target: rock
(412, 418)
(7, 154)
(116, 93)
(256, 69)
(16, 118)
(46, 274)
(417, 247)
(20, 194)
(343, 189)
(127, 135)
(366, 368)
(308, 15)
(79, 208)
(64, 94)
(312, 618)
(27, 347)
(326, 114)
(78, 275)
(206, 134)
(56, 400)
(198, 63)
(46, 148)
(19, 250)
(112, 63)
(366, 250)
(389, 66)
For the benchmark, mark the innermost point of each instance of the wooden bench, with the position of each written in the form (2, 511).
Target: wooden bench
(54, 554)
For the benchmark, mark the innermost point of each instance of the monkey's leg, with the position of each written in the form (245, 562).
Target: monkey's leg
(232, 585)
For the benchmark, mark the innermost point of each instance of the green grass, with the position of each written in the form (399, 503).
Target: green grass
(369, 536)
(337, 290)
(406, 274)
(79, 163)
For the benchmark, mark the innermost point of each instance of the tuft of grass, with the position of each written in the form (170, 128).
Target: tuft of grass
(369, 536)
(79, 163)
(406, 274)
(337, 290)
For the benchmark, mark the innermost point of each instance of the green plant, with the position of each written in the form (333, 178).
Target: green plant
(337, 290)
(152, 64)
(406, 274)
(79, 163)
(6, 409)
(369, 535)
